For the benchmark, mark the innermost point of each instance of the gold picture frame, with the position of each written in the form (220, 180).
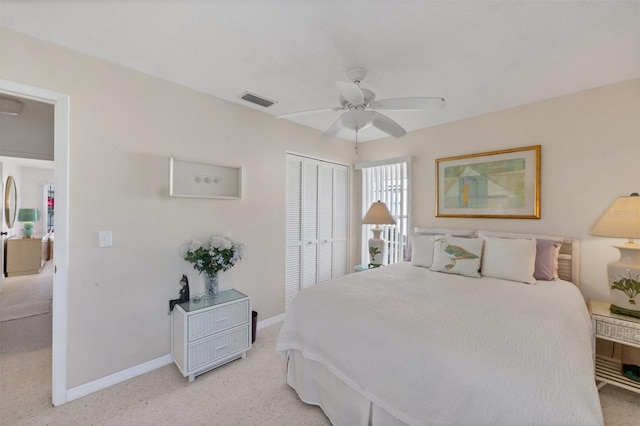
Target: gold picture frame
(501, 184)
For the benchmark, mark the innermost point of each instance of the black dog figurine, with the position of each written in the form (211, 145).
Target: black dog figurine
(184, 293)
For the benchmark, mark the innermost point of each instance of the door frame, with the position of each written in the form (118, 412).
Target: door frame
(60, 101)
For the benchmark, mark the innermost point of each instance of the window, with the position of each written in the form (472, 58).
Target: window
(387, 181)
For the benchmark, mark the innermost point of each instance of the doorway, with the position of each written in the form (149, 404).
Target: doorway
(61, 262)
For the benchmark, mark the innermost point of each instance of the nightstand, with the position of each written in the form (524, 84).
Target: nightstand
(208, 333)
(25, 256)
(363, 267)
(615, 328)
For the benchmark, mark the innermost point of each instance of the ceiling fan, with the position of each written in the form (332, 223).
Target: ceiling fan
(360, 109)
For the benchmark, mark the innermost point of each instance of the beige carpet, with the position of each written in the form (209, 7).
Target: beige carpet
(245, 392)
(27, 295)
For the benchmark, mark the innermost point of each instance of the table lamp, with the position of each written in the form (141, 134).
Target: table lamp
(622, 220)
(378, 214)
(28, 216)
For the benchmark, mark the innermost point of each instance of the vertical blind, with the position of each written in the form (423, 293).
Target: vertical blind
(388, 183)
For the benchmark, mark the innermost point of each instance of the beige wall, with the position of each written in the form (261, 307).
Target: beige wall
(590, 155)
(30, 182)
(31, 194)
(124, 127)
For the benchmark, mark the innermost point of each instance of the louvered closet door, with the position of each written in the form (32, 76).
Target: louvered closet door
(317, 223)
(309, 222)
(293, 262)
(340, 221)
(325, 222)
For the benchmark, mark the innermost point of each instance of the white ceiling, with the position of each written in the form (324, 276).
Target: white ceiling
(482, 56)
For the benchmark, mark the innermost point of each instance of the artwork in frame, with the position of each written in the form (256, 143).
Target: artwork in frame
(496, 184)
(202, 180)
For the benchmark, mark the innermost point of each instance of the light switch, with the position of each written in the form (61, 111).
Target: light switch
(104, 239)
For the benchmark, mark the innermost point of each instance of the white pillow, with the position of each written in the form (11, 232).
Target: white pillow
(422, 252)
(542, 273)
(436, 231)
(455, 255)
(511, 259)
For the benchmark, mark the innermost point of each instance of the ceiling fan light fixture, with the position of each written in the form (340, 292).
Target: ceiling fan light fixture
(357, 119)
(360, 109)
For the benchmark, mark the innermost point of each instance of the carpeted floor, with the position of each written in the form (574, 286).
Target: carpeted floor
(252, 391)
(27, 295)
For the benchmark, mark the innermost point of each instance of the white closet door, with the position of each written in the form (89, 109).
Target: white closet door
(309, 222)
(340, 221)
(316, 223)
(325, 221)
(293, 261)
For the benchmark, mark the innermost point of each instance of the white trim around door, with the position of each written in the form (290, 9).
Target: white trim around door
(61, 257)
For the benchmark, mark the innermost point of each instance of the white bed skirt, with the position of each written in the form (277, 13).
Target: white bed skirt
(341, 404)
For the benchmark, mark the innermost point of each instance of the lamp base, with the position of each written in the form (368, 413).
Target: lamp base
(27, 231)
(624, 279)
(377, 251)
(622, 311)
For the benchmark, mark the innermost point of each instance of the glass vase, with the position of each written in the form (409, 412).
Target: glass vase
(211, 284)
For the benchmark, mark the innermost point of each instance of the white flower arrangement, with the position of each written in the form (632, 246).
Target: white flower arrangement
(220, 254)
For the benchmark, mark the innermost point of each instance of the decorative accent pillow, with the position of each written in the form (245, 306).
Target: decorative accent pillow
(422, 250)
(457, 255)
(547, 260)
(468, 233)
(509, 259)
(544, 251)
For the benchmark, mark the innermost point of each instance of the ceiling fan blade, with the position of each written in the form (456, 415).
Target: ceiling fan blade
(351, 92)
(311, 111)
(408, 104)
(387, 125)
(333, 130)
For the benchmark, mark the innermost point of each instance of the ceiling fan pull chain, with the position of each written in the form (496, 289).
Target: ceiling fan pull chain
(356, 141)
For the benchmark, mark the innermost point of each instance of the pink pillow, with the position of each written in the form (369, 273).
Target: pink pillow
(546, 260)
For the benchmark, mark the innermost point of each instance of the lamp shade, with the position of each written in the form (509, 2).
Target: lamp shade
(378, 214)
(28, 215)
(622, 219)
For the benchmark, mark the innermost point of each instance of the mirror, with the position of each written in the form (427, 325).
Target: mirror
(10, 202)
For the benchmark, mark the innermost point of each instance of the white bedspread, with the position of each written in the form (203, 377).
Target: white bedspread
(435, 348)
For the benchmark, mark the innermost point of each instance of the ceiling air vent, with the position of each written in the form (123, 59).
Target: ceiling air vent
(255, 99)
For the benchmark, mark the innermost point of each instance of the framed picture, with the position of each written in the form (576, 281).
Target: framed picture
(496, 184)
(202, 180)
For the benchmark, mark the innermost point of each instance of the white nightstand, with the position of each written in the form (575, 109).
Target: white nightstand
(364, 267)
(615, 328)
(208, 333)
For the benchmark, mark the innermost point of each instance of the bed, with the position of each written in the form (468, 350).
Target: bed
(415, 344)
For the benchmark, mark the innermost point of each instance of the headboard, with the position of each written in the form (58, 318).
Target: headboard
(569, 261)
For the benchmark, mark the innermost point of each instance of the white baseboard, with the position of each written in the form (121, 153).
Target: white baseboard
(270, 321)
(115, 378)
(129, 373)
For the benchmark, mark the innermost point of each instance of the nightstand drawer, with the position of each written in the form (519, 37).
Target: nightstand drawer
(215, 320)
(617, 331)
(217, 347)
